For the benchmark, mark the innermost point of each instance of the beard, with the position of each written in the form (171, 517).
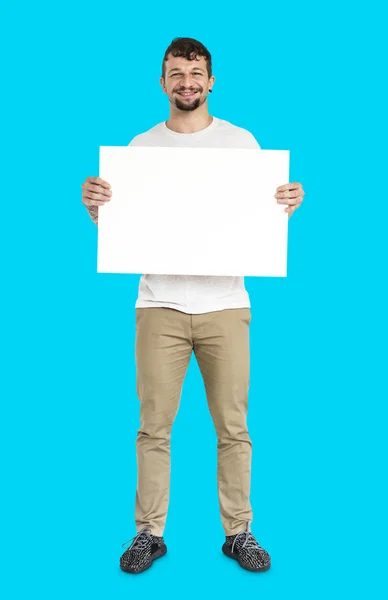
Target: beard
(190, 106)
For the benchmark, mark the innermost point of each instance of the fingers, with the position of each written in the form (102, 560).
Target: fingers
(96, 191)
(94, 199)
(290, 201)
(289, 186)
(98, 181)
(92, 188)
(291, 196)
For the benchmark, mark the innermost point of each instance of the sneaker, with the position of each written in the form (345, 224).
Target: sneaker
(145, 548)
(244, 548)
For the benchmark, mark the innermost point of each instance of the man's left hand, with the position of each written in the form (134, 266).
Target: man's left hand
(290, 194)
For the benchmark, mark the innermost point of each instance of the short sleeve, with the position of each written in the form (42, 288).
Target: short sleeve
(253, 143)
(134, 141)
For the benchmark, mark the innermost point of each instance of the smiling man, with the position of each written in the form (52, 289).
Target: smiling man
(179, 315)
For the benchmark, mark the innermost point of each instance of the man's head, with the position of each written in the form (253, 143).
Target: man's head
(187, 73)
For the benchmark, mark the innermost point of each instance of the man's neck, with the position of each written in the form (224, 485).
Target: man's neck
(189, 122)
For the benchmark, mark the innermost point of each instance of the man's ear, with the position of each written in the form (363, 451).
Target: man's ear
(163, 84)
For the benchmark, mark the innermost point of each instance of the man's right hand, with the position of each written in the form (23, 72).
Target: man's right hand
(95, 192)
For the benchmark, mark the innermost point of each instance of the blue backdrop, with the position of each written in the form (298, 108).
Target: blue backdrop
(307, 77)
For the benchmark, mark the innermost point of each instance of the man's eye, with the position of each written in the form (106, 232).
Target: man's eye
(180, 74)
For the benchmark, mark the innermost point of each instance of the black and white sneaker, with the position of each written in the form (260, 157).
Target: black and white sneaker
(145, 548)
(244, 548)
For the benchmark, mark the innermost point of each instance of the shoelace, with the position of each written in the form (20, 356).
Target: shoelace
(140, 540)
(249, 542)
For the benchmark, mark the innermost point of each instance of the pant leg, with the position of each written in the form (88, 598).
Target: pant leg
(221, 346)
(163, 351)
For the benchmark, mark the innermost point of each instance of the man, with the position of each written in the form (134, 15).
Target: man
(176, 315)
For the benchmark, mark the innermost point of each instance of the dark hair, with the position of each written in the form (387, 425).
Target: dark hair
(189, 49)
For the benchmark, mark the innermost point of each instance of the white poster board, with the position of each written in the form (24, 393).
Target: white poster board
(193, 211)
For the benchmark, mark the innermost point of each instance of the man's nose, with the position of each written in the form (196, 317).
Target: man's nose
(187, 80)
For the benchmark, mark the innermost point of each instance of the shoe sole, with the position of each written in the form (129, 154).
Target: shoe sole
(158, 554)
(230, 554)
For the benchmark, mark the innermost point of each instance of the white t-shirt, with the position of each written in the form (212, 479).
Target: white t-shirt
(194, 294)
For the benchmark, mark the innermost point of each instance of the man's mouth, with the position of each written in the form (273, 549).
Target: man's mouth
(187, 94)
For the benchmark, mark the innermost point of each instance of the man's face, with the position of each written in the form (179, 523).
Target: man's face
(186, 82)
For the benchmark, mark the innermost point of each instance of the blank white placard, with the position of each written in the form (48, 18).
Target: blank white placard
(193, 211)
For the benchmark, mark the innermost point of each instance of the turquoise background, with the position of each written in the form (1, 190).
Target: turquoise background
(308, 77)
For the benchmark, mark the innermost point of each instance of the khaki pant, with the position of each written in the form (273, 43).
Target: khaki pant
(165, 339)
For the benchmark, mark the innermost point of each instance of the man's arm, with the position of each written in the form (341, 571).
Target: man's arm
(93, 213)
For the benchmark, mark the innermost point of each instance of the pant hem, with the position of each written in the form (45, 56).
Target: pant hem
(153, 530)
(236, 530)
